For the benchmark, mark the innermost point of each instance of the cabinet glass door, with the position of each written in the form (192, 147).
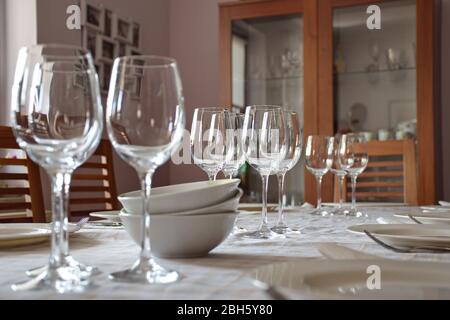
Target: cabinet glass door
(267, 69)
(375, 70)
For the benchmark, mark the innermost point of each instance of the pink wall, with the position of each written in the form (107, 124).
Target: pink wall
(152, 15)
(194, 42)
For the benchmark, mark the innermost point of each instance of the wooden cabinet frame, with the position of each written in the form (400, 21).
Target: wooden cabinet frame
(318, 74)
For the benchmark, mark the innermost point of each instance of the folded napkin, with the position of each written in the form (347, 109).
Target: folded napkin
(336, 252)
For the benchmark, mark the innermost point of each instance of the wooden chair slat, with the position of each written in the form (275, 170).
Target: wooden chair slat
(12, 162)
(13, 176)
(14, 205)
(385, 164)
(90, 200)
(14, 191)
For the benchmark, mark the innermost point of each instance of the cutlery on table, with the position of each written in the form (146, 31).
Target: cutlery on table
(425, 249)
(414, 219)
(337, 252)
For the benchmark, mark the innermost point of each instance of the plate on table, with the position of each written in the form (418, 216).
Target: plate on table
(367, 204)
(18, 234)
(408, 235)
(112, 216)
(257, 207)
(427, 217)
(348, 279)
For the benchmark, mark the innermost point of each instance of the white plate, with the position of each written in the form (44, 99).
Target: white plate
(366, 204)
(17, 234)
(408, 235)
(112, 215)
(427, 217)
(347, 279)
(229, 205)
(182, 197)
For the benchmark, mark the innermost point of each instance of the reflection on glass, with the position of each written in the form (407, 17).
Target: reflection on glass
(375, 71)
(267, 69)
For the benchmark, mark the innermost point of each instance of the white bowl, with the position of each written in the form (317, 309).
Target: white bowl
(182, 236)
(182, 197)
(229, 205)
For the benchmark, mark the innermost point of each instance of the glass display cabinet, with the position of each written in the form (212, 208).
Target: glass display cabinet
(344, 66)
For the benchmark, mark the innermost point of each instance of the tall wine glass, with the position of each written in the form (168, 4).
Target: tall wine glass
(340, 173)
(354, 159)
(145, 121)
(319, 157)
(211, 143)
(232, 165)
(264, 142)
(293, 154)
(58, 120)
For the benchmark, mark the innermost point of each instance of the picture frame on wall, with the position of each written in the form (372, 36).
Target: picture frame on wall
(136, 35)
(106, 49)
(122, 29)
(92, 16)
(90, 40)
(108, 24)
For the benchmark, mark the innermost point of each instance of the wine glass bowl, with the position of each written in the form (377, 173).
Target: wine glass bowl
(145, 122)
(211, 139)
(353, 158)
(264, 143)
(318, 159)
(233, 163)
(57, 119)
(339, 171)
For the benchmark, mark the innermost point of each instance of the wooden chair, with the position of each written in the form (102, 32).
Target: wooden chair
(21, 197)
(391, 175)
(93, 185)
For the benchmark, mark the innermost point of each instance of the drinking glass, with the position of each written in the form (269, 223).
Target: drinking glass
(340, 173)
(232, 165)
(145, 121)
(211, 143)
(57, 119)
(264, 143)
(354, 159)
(319, 157)
(293, 154)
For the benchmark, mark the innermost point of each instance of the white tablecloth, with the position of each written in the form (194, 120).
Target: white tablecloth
(221, 275)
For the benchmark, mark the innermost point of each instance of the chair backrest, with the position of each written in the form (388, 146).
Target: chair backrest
(93, 185)
(21, 197)
(391, 175)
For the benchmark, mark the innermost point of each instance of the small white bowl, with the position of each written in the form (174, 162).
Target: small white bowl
(175, 237)
(229, 205)
(182, 197)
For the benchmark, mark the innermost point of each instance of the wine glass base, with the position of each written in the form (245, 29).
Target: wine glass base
(66, 278)
(355, 214)
(146, 271)
(285, 230)
(321, 212)
(264, 234)
(85, 270)
(238, 230)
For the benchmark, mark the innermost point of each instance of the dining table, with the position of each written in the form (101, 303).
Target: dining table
(221, 275)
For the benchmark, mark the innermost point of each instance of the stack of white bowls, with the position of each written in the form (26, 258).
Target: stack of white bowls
(187, 220)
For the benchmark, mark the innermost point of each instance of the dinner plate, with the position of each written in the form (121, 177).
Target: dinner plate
(18, 234)
(408, 235)
(427, 217)
(112, 215)
(356, 279)
(366, 204)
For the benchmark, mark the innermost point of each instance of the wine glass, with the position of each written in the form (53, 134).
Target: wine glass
(57, 119)
(264, 143)
(211, 143)
(340, 173)
(232, 165)
(319, 158)
(354, 159)
(145, 121)
(293, 154)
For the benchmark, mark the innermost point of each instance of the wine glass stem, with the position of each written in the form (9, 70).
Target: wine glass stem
(230, 176)
(354, 177)
(340, 189)
(60, 196)
(265, 184)
(212, 176)
(319, 192)
(146, 182)
(280, 178)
